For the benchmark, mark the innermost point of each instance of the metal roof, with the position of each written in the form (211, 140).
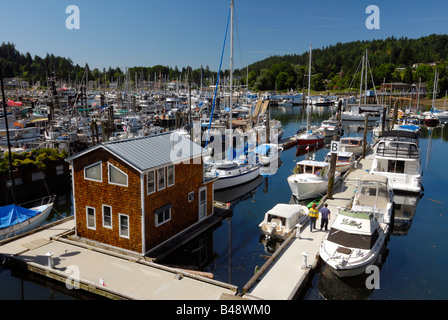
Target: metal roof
(151, 151)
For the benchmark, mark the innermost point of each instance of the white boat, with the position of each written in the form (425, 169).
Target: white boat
(232, 173)
(357, 113)
(374, 194)
(20, 136)
(397, 157)
(280, 221)
(344, 160)
(354, 242)
(268, 153)
(311, 181)
(352, 144)
(15, 219)
(331, 127)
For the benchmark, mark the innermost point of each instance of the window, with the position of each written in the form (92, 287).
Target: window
(116, 176)
(161, 179)
(124, 225)
(191, 196)
(60, 170)
(202, 203)
(162, 215)
(93, 172)
(107, 217)
(170, 175)
(90, 218)
(151, 182)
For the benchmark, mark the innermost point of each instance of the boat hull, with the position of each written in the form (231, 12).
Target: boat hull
(234, 180)
(306, 186)
(27, 225)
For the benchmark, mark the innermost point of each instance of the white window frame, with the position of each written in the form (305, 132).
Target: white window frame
(164, 178)
(101, 171)
(154, 181)
(111, 222)
(119, 226)
(174, 175)
(156, 215)
(116, 168)
(199, 203)
(94, 218)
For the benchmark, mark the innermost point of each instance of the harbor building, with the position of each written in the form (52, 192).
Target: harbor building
(136, 194)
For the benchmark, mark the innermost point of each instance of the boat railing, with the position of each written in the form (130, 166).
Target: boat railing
(39, 202)
(398, 150)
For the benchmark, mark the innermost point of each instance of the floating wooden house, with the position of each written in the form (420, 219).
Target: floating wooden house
(137, 193)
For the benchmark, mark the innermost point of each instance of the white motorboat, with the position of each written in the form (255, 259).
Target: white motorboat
(280, 221)
(15, 219)
(268, 153)
(397, 157)
(232, 173)
(331, 127)
(352, 144)
(354, 242)
(311, 181)
(344, 160)
(357, 236)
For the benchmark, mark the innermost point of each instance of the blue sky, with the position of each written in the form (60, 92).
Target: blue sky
(191, 32)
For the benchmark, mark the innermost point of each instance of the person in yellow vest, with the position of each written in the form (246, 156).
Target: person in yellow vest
(314, 215)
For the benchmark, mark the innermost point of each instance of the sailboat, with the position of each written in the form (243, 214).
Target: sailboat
(231, 172)
(310, 138)
(431, 119)
(15, 219)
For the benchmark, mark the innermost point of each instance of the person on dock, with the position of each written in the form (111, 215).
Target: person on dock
(325, 215)
(314, 214)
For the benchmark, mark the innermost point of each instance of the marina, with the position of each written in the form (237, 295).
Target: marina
(237, 240)
(161, 187)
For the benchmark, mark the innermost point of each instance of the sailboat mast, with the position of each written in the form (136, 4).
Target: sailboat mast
(309, 95)
(231, 64)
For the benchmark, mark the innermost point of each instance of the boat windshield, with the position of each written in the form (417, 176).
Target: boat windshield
(352, 240)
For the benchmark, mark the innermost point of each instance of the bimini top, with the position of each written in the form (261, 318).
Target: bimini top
(11, 215)
(150, 151)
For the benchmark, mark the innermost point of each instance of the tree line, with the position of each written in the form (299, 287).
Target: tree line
(334, 68)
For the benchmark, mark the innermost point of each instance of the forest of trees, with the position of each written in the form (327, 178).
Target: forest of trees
(333, 67)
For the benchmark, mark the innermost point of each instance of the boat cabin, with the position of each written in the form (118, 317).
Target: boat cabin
(311, 167)
(135, 194)
(281, 220)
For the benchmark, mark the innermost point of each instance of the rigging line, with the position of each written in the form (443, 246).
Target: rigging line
(217, 80)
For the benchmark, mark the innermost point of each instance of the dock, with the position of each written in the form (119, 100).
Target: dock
(50, 252)
(288, 270)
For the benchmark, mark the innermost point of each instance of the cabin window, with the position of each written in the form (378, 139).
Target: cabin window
(90, 212)
(308, 169)
(353, 240)
(151, 181)
(161, 178)
(116, 176)
(107, 217)
(170, 175)
(124, 225)
(202, 202)
(396, 166)
(93, 172)
(162, 215)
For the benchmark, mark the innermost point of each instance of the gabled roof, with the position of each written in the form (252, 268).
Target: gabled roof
(151, 151)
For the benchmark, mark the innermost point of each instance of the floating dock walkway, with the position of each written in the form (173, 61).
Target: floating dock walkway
(284, 276)
(116, 275)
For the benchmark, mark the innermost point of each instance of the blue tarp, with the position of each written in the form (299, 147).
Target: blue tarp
(12, 214)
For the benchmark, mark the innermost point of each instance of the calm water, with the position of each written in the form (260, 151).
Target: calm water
(414, 266)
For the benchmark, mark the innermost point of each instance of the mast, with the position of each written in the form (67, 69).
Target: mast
(231, 63)
(309, 96)
(7, 137)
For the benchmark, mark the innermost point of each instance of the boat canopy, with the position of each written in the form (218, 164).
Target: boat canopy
(11, 215)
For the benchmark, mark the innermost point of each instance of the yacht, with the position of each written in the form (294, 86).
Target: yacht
(230, 173)
(311, 179)
(397, 157)
(354, 242)
(331, 127)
